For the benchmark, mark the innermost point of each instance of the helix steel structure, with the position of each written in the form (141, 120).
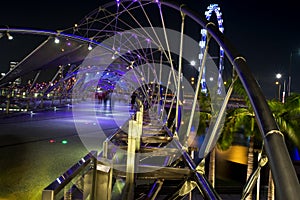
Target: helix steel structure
(148, 48)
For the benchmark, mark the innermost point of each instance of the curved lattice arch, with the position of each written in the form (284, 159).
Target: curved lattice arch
(282, 170)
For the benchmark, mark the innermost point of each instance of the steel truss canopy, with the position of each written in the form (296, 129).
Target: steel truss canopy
(63, 50)
(48, 54)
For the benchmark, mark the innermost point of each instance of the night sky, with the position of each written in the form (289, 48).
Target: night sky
(265, 32)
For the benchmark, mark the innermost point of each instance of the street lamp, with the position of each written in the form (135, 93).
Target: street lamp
(9, 36)
(279, 76)
(193, 63)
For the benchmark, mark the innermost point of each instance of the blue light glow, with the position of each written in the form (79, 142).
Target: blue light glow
(216, 9)
(296, 155)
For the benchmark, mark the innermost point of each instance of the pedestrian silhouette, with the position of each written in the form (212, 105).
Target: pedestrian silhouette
(132, 102)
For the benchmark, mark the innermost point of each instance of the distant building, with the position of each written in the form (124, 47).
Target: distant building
(13, 64)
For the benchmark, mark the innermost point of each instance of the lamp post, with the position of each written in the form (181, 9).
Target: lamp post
(279, 89)
(290, 78)
(283, 92)
(290, 72)
(279, 76)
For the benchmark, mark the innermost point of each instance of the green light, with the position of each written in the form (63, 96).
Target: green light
(64, 142)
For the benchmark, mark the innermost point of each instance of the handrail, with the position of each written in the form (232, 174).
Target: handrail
(56, 186)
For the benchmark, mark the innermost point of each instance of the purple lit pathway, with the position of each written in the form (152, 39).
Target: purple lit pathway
(32, 153)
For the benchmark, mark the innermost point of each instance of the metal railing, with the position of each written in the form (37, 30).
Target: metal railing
(91, 176)
(78, 180)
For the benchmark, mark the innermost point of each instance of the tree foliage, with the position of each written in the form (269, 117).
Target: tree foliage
(287, 116)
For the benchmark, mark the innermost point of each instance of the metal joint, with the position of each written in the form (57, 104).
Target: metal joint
(210, 23)
(274, 131)
(181, 12)
(239, 58)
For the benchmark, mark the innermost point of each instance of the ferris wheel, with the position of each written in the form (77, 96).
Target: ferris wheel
(216, 9)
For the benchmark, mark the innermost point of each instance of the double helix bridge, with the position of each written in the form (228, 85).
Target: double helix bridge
(170, 58)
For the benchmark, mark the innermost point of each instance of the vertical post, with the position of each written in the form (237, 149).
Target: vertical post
(105, 149)
(283, 93)
(27, 103)
(130, 166)
(139, 120)
(290, 78)
(258, 179)
(67, 193)
(279, 92)
(289, 85)
(42, 101)
(103, 182)
(8, 103)
(179, 73)
(192, 157)
(94, 178)
(48, 195)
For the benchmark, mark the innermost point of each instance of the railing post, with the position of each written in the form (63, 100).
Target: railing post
(94, 181)
(105, 149)
(103, 182)
(8, 103)
(139, 120)
(48, 195)
(130, 166)
(67, 193)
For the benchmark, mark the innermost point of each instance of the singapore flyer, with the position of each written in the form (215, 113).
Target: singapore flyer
(213, 8)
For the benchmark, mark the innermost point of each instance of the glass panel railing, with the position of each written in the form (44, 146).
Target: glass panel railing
(77, 182)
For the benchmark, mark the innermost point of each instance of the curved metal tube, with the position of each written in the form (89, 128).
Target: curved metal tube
(284, 175)
(283, 171)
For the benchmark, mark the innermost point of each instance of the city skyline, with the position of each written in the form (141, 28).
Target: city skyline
(265, 33)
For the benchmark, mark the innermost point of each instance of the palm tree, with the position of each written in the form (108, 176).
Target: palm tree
(235, 119)
(240, 118)
(286, 115)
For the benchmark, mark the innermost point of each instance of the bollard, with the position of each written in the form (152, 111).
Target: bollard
(7, 104)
